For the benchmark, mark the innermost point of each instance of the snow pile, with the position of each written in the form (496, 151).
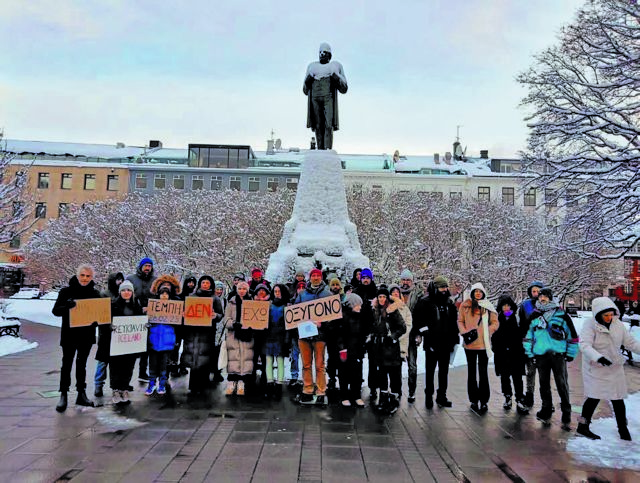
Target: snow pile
(319, 229)
(33, 310)
(8, 343)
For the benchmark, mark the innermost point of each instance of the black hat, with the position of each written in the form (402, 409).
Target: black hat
(546, 291)
(383, 291)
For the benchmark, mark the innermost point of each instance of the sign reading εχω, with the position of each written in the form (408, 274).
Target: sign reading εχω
(319, 310)
(255, 314)
(165, 311)
(129, 335)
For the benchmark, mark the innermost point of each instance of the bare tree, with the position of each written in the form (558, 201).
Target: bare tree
(584, 142)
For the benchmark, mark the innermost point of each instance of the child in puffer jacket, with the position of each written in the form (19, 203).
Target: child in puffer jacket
(162, 337)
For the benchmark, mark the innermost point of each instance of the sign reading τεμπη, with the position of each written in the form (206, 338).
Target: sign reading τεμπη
(165, 311)
(319, 310)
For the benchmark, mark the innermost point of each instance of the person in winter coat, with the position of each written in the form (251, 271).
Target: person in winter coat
(162, 337)
(76, 342)
(509, 359)
(313, 348)
(355, 279)
(104, 336)
(126, 305)
(367, 291)
(257, 278)
(395, 294)
(411, 293)
(621, 305)
(551, 342)
(525, 312)
(274, 347)
(331, 338)
(387, 327)
(477, 321)
(261, 293)
(352, 335)
(142, 281)
(199, 342)
(238, 277)
(176, 368)
(293, 341)
(436, 322)
(634, 308)
(239, 343)
(299, 277)
(602, 365)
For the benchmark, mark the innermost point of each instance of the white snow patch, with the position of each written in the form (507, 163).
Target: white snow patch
(12, 345)
(36, 310)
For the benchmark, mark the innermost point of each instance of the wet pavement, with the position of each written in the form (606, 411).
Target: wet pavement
(224, 439)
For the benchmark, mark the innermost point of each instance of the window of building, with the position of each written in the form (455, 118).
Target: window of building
(63, 209)
(65, 182)
(572, 197)
(508, 196)
(216, 183)
(484, 193)
(89, 181)
(530, 197)
(455, 195)
(113, 184)
(41, 210)
(15, 242)
(292, 183)
(178, 181)
(43, 181)
(234, 182)
(272, 184)
(17, 208)
(160, 181)
(506, 168)
(197, 182)
(549, 195)
(437, 195)
(141, 181)
(254, 183)
(357, 188)
(378, 187)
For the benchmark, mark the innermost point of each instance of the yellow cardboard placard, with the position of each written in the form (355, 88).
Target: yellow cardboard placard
(198, 311)
(255, 314)
(88, 311)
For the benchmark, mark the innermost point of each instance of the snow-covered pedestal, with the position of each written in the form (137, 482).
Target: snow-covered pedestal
(319, 228)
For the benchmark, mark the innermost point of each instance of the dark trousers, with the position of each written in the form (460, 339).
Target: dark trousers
(323, 109)
(619, 409)
(198, 379)
(68, 354)
(121, 371)
(333, 358)
(390, 378)
(431, 360)
(215, 355)
(350, 374)
(412, 365)
(509, 373)
(372, 376)
(158, 362)
(477, 385)
(554, 363)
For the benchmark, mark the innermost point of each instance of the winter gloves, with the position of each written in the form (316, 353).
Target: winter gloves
(604, 361)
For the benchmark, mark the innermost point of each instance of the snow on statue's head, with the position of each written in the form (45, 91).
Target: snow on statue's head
(324, 53)
(324, 47)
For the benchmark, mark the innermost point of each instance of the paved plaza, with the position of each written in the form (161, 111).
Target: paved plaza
(227, 439)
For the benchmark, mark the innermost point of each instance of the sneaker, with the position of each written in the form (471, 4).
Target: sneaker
(359, 403)
(162, 389)
(444, 403)
(483, 408)
(303, 398)
(240, 388)
(508, 403)
(143, 377)
(428, 402)
(115, 397)
(474, 407)
(544, 415)
(321, 400)
(124, 397)
(231, 388)
(394, 403)
(411, 398)
(98, 392)
(346, 403)
(151, 389)
(521, 407)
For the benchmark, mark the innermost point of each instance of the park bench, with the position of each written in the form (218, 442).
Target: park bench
(9, 326)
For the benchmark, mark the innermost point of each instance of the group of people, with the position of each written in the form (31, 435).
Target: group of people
(386, 323)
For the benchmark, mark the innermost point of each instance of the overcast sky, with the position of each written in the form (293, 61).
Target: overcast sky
(229, 72)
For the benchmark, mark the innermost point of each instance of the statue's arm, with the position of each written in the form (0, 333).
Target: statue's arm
(308, 81)
(340, 79)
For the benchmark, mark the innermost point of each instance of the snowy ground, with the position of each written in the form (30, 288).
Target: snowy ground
(29, 309)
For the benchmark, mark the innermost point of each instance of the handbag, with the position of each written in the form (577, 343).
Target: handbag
(469, 337)
(222, 358)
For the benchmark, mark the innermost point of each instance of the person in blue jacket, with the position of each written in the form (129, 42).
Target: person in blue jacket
(550, 343)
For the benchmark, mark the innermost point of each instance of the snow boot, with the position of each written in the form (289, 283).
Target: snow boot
(277, 392)
(231, 388)
(566, 421)
(508, 403)
(583, 428)
(394, 403)
(544, 415)
(240, 389)
(528, 401)
(383, 402)
(83, 400)
(62, 403)
(620, 412)
(443, 402)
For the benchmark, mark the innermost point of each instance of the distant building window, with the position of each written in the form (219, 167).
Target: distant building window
(141, 181)
(178, 181)
(89, 181)
(43, 181)
(160, 181)
(15, 242)
(572, 197)
(292, 183)
(506, 168)
(112, 182)
(41, 210)
(65, 183)
(378, 187)
(254, 183)
(508, 196)
(549, 197)
(216, 183)
(530, 197)
(272, 184)
(63, 209)
(357, 188)
(455, 195)
(484, 193)
(197, 182)
(437, 195)
(234, 182)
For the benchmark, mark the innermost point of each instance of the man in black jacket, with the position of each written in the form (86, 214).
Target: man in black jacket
(75, 340)
(436, 320)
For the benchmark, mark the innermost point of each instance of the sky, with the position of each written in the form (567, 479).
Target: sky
(198, 71)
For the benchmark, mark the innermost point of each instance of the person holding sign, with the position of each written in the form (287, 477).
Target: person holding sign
(76, 342)
(126, 305)
(275, 341)
(162, 337)
(239, 343)
(352, 333)
(313, 347)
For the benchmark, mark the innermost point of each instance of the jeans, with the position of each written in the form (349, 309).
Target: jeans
(68, 354)
(412, 363)
(531, 377)
(158, 361)
(505, 382)
(431, 360)
(556, 363)
(477, 391)
(313, 351)
(121, 368)
(350, 375)
(101, 375)
(390, 377)
(295, 360)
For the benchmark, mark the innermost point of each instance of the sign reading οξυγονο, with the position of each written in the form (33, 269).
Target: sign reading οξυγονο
(319, 310)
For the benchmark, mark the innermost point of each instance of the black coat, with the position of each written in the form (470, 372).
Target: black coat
(352, 332)
(506, 343)
(387, 326)
(435, 318)
(77, 335)
(199, 341)
(119, 308)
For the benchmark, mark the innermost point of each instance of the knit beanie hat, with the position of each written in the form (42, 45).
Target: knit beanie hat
(256, 271)
(144, 261)
(406, 273)
(126, 285)
(315, 271)
(220, 285)
(383, 291)
(441, 282)
(366, 272)
(333, 281)
(352, 300)
(547, 292)
(239, 276)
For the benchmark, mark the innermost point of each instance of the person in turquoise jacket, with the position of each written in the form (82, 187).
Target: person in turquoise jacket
(550, 343)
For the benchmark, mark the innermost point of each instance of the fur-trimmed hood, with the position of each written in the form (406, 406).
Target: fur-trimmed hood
(166, 279)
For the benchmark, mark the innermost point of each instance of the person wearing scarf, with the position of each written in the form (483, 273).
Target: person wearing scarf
(239, 343)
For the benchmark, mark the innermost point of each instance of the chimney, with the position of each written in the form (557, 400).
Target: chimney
(484, 154)
(436, 158)
(447, 157)
(120, 145)
(154, 143)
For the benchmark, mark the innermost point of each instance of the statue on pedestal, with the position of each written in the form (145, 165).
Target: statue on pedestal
(322, 83)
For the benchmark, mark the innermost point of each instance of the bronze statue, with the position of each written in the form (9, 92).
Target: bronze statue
(321, 85)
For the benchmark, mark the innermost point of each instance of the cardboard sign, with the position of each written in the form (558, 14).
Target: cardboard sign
(129, 335)
(165, 311)
(88, 311)
(307, 329)
(320, 310)
(255, 314)
(198, 311)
